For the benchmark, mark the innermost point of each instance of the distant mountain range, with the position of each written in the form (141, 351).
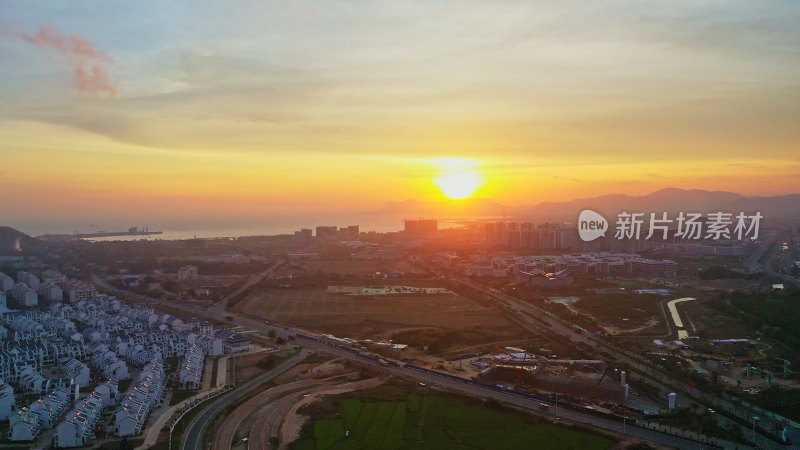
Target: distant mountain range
(671, 200)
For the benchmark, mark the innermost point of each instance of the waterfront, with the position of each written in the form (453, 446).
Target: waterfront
(284, 225)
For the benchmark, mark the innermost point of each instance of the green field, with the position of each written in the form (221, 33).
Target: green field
(440, 423)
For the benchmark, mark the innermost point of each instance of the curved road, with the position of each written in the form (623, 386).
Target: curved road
(199, 426)
(272, 421)
(227, 431)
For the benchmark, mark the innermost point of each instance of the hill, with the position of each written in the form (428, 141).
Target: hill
(671, 200)
(777, 208)
(12, 241)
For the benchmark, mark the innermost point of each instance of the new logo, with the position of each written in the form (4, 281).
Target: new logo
(591, 225)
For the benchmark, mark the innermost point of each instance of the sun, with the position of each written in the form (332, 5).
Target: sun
(459, 185)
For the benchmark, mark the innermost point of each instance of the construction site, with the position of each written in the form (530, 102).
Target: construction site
(585, 381)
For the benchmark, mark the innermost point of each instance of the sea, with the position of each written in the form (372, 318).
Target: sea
(284, 225)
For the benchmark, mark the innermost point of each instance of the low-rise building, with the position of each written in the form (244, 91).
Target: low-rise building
(41, 414)
(25, 425)
(6, 400)
(78, 428)
(186, 273)
(147, 395)
(212, 346)
(236, 343)
(76, 370)
(190, 374)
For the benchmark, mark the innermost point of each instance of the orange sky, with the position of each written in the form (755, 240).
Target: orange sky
(205, 110)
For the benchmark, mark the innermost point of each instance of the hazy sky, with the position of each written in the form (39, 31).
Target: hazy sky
(242, 109)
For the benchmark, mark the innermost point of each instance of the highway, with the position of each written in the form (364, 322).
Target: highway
(257, 401)
(199, 426)
(269, 424)
(555, 326)
(514, 399)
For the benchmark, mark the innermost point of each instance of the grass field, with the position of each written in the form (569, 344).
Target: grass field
(313, 308)
(355, 267)
(440, 423)
(631, 284)
(623, 311)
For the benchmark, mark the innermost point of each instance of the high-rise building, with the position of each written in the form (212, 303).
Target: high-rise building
(24, 295)
(327, 233)
(6, 283)
(495, 232)
(421, 227)
(31, 280)
(51, 291)
(76, 291)
(349, 232)
(526, 235)
(303, 236)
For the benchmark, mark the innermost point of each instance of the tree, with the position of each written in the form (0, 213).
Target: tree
(274, 441)
(279, 341)
(271, 333)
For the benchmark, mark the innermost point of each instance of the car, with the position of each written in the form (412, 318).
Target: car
(266, 322)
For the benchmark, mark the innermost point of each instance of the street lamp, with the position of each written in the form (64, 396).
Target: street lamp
(755, 419)
(700, 436)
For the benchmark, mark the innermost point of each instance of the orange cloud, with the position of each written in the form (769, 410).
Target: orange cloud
(88, 64)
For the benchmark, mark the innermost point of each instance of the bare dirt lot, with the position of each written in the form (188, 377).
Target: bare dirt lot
(251, 366)
(356, 316)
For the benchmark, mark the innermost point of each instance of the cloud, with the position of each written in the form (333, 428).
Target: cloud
(88, 64)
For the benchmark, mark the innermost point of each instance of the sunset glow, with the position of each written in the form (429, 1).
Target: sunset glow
(459, 185)
(303, 107)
